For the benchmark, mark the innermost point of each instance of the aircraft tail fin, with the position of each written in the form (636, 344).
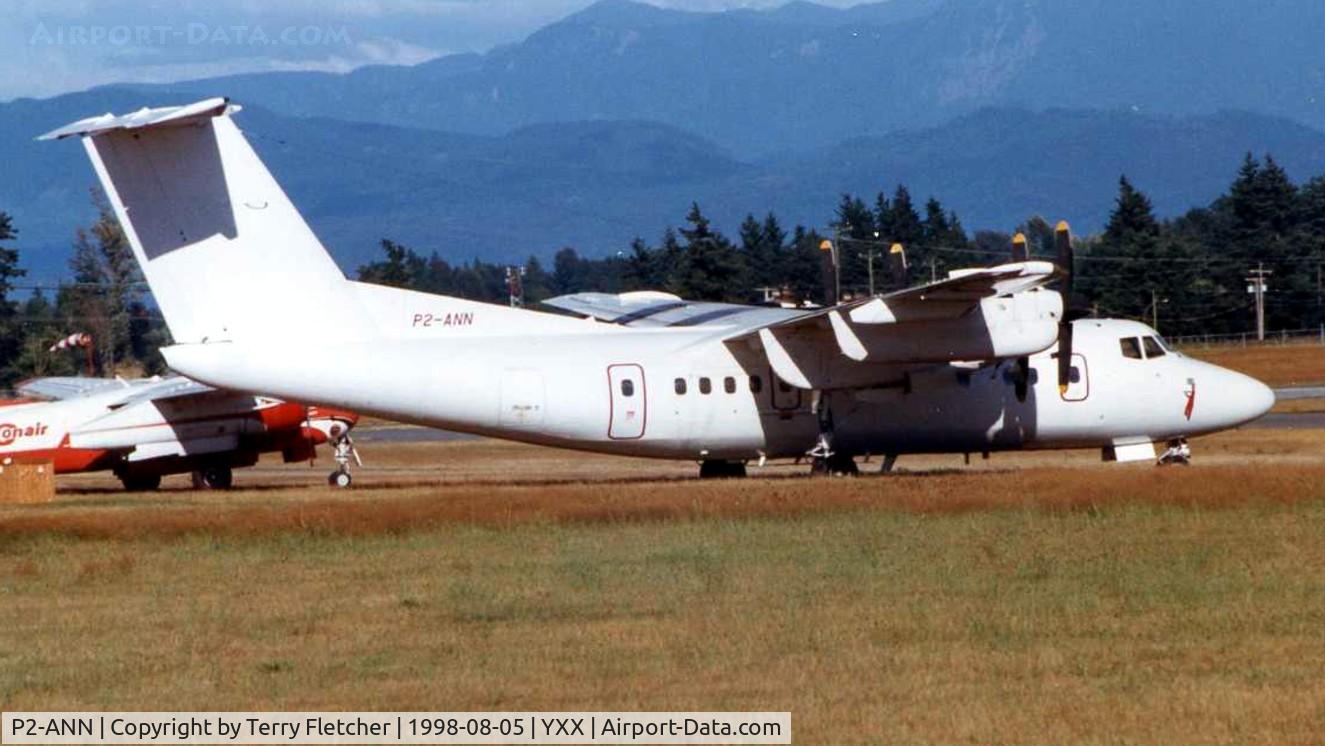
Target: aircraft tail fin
(227, 255)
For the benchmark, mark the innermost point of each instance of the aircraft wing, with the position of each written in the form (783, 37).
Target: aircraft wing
(73, 387)
(653, 309)
(69, 387)
(949, 297)
(971, 316)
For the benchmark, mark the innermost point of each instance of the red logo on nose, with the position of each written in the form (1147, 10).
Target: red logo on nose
(10, 432)
(1190, 393)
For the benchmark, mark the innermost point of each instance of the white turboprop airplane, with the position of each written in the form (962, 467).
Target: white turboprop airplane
(982, 361)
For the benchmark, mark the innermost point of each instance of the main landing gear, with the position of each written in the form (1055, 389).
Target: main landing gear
(344, 451)
(719, 469)
(141, 482)
(214, 477)
(1178, 452)
(825, 459)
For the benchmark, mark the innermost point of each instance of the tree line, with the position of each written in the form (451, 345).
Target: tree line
(1187, 273)
(105, 299)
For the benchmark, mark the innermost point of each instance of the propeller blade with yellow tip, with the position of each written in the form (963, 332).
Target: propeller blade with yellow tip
(897, 265)
(1019, 250)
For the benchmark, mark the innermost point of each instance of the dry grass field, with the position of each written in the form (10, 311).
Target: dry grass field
(1276, 365)
(1034, 598)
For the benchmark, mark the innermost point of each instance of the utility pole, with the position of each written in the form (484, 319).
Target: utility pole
(515, 285)
(933, 271)
(869, 258)
(1154, 310)
(1256, 286)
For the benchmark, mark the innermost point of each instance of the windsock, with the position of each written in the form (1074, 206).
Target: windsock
(73, 340)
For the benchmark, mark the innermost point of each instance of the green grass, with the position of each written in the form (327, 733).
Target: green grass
(1134, 623)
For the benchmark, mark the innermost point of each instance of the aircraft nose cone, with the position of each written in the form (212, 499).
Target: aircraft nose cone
(1246, 398)
(1260, 398)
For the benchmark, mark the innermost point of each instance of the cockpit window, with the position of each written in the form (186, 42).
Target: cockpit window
(1131, 347)
(1153, 347)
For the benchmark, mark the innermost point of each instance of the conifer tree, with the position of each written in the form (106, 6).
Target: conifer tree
(711, 268)
(11, 332)
(107, 289)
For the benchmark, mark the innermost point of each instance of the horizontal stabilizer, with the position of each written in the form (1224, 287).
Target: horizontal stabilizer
(166, 116)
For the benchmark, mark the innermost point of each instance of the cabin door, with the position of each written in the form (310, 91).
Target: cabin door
(629, 404)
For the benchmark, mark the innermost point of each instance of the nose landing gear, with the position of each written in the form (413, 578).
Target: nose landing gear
(1178, 452)
(344, 452)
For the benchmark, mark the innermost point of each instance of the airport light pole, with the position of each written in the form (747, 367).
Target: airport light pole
(869, 258)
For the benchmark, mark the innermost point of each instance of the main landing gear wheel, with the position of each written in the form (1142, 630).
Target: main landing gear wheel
(141, 482)
(835, 465)
(213, 478)
(341, 479)
(1178, 452)
(712, 469)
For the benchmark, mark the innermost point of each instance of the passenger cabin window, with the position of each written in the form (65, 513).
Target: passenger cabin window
(680, 386)
(729, 385)
(627, 388)
(756, 384)
(1153, 347)
(705, 386)
(1131, 347)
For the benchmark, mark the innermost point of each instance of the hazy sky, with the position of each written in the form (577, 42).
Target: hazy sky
(55, 46)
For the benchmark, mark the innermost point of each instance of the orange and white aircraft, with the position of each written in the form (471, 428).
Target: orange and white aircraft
(145, 429)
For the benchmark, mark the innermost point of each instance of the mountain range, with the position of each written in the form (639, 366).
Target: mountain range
(607, 124)
(802, 75)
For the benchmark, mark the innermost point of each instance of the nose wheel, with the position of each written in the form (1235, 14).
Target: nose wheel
(344, 452)
(1178, 452)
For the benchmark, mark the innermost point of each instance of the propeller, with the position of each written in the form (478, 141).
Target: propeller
(1021, 253)
(897, 265)
(1066, 259)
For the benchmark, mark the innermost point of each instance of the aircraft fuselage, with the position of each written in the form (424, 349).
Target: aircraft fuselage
(683, 394)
